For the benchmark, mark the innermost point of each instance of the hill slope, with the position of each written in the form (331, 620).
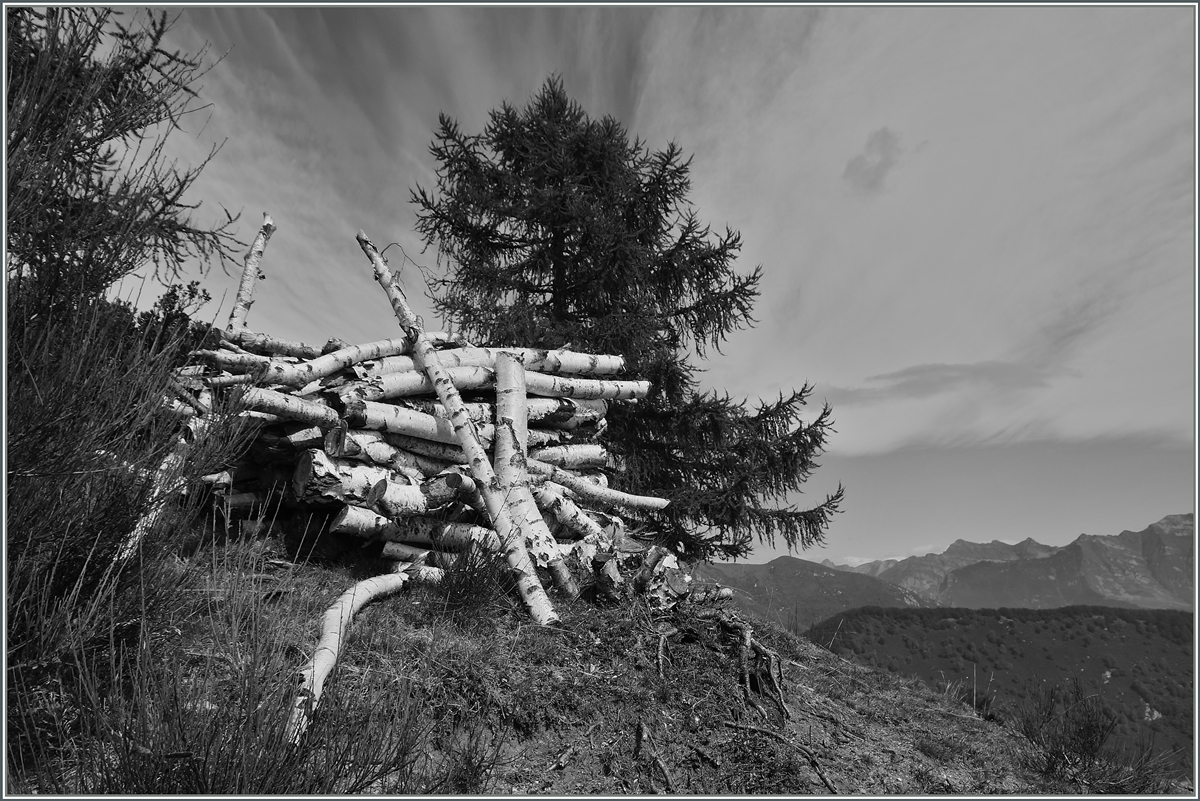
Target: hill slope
(1139, 661)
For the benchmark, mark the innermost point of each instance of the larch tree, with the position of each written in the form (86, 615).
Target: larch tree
(91, 193)
(554, 230)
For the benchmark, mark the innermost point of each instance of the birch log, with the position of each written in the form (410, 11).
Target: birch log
(262, 342)
(425, 531)
(322, 479)
(530, 588)
(402, 500)
(291, 407)
(403, 552)
(573, 457)
(536, 359)
(250, 273)
(509, 460)
(566, 511)
(543, 411)
(401, 385)
(400, 420)
(373, 447)
(592, 492)
(297, 375)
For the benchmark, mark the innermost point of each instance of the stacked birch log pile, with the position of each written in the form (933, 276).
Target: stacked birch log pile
(379, 438)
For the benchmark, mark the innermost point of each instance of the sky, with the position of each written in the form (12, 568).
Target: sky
(976, 225)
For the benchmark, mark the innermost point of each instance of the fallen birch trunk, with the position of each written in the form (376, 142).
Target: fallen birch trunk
(262, 342)
(250, 273)
(334, 626)
(530, 588)
(509, 460)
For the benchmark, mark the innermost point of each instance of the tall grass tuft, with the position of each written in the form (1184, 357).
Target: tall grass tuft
(86, 433)
(1069, 733)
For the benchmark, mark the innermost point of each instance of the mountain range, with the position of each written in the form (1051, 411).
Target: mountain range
(1149, 569)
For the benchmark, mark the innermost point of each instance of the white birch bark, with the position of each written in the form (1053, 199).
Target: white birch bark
(564, 412)
(263, 342)
(403, 385)
(596, 494)
(573, 457)
(424, 531)
(399, 500)
(509, 461)
(250, 273)
(320, 478)
(374, 448)
(401, 420)
(335, 624)
(291, 407)
(297, 375)
(406, 384)
(403, 552)
(517, 557)
(544, 361)
(568, 513)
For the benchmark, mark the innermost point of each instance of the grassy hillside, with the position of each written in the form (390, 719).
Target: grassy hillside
(452, 690)
(1139, 661)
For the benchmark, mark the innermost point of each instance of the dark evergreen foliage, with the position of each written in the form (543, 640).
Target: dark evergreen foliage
(90, 194)
(556, 231)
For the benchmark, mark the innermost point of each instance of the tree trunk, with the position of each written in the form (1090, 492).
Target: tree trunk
(250, 273)
(530, 588)
(554, 386)
(558, 412)
(509, 461)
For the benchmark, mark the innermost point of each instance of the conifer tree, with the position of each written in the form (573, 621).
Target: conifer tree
(554, 230)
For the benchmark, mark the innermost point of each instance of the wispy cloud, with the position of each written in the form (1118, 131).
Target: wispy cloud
(868, 169)
(928, 380)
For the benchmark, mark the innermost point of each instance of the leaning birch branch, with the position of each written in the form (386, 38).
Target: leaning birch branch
(530, 588)
(250, 273)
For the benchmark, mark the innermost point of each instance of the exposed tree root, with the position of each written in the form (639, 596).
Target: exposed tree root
(812, 760)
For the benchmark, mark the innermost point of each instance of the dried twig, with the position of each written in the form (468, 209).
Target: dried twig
(812, 760)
